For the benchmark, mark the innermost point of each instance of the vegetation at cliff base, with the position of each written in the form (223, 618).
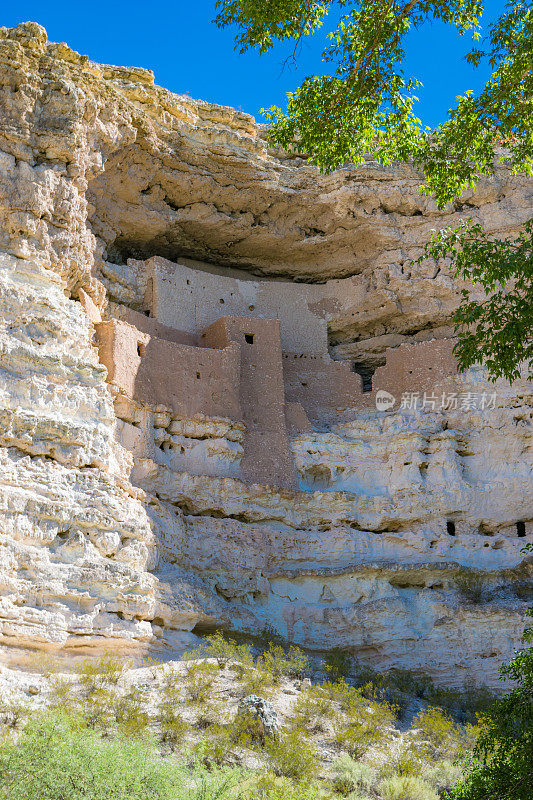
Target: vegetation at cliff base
(178, 731)
(366, 103)
(501, 766)
(335, 730)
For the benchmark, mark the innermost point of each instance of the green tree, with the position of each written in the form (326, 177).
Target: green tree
(501, 766)
(366, 104)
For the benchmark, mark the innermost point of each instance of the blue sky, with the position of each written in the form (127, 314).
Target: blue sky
(189, 54)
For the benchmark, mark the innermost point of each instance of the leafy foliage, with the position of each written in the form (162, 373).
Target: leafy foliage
(291, 756)
(57, 757)
(501, 767)
(365, 104)
(406, 787)
(352, 776)
(497, 330)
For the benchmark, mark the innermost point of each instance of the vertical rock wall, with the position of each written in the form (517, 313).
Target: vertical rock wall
(101, 547)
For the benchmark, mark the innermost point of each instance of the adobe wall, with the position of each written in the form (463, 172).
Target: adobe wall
(189, 380)
(237, 370)
(424, 367)
(267, 454)
(329, 390)
(152, 327)
(191, 298)
(325, 388)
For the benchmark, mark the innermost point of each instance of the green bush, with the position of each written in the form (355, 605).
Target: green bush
(443, 775)
(268, 786)
(14, 714)
(347, 697)
(278, 662)
(63, 695)
(292, 756)
(406, 787)
(198, 681)
(226, 649)
(254, 679)
(352, 776)
(312, 709)
(438, 737)
(217, 748)
(103, 671)
(364, 727)
(58, 758)
(338, 664)
(171, 724)
(246, 730)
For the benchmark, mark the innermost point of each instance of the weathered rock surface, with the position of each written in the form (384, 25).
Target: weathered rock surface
(264, 712)
(103, 547)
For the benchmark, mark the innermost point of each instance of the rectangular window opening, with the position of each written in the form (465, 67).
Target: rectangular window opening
(249, 338)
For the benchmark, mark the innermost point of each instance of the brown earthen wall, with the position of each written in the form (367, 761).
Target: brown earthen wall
(267, 454)
(152, 327)
(421, 367)
(322, 387)
(296, 419)
(190, 380)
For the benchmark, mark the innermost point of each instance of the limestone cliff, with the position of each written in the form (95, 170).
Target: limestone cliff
(130, 512)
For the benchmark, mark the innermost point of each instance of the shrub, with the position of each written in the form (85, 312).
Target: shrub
(63, 695)
(225, 649)
(292, 756)
(14, 714)
(171, 724)
(56, 757)
(216, 749)
(352, 776)
(246, 730)
(312, 709)
(270, 636)
(401, 760)
(199, 680)
(438, 737)
(129, 714)
(442, 776)
(406, 787)
(338, 664)
(365, 727)
(348, 698)
(255, 680)
(98, 707)
(470, 586)
(103, 671)
(277, 662)
(213, 784)
(273, 787)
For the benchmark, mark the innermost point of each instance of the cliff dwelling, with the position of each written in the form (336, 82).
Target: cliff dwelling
(248, 355)
(228, 392)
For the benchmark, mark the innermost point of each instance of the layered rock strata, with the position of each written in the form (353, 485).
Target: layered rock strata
(129, 518)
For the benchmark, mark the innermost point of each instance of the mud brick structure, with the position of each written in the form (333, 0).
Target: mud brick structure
(194, 331)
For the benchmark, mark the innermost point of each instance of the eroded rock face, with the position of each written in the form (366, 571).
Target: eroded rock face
(399, 538)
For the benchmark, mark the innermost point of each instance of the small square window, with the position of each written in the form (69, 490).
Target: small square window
(249, 338)
(198, 375)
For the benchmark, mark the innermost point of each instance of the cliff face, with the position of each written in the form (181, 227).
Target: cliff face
(128, 518)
